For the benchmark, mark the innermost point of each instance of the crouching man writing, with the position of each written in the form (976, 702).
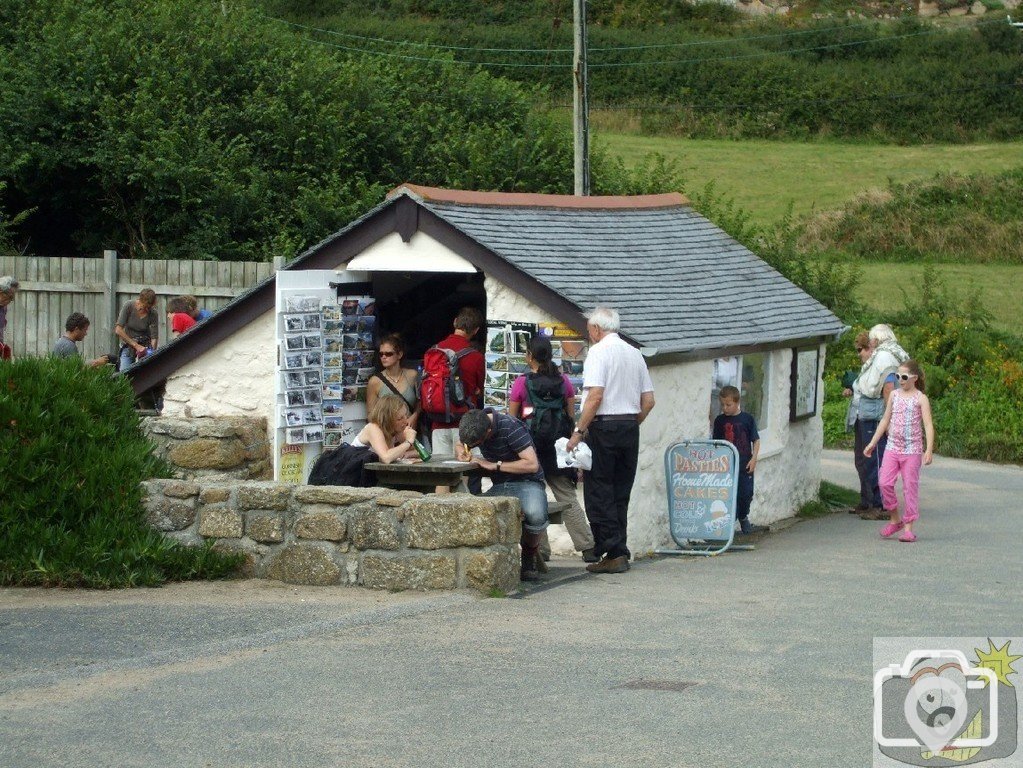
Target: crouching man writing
(510, 460)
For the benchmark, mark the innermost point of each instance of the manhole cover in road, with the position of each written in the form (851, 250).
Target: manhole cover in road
(656, 685)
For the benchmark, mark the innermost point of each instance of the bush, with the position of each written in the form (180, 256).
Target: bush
(953, 218)
(73, 460)
(974, 375)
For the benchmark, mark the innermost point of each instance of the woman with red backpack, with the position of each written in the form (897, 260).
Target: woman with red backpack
(545, 400)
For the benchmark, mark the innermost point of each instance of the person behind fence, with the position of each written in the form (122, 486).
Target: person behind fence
(387, 437)
(545, 400)
(511, 462)
(198, 313)
(740, 429)
(76, 328)
(8, 288)
(138, 328)
(618, 395)
(179, 316)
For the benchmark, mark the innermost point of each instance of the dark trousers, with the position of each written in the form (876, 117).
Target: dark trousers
(869, 469)
(744, 497)
(608, 485)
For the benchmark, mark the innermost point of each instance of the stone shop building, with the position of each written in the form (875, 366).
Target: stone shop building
(703, 308)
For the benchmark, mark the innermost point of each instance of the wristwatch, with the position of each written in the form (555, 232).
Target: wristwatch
(577, 431)
(499, 466)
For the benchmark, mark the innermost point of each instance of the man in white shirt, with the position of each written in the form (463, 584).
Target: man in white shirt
(618, 396)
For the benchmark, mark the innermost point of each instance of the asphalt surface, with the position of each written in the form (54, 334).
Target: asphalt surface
(756, 658)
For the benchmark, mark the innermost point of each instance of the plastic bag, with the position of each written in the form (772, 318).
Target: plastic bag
(581, 457)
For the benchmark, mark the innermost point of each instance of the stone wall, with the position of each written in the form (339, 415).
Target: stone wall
(225, 447)
(325, 535)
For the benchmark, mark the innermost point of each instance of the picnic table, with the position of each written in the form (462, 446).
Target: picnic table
(421, 475)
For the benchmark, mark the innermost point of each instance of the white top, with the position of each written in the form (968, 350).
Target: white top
(619, 368)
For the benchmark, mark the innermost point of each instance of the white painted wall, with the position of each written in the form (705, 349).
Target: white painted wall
(237, 378)
(234, 378)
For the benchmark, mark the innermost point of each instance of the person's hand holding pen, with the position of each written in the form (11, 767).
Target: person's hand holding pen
(462, 452)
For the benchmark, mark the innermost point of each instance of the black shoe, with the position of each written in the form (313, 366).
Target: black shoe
(589, 556)
(610, 565)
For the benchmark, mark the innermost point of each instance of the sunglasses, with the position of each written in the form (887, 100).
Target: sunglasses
(387, 354)
(906, 376)
(860, 349)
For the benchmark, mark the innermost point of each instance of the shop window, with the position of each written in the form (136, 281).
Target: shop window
(751, 375)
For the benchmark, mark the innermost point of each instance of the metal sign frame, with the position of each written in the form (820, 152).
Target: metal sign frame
(710, 468)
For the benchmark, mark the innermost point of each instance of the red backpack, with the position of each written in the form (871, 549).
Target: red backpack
(442, 392)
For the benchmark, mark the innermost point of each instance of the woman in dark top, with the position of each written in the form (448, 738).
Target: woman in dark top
(137, 328)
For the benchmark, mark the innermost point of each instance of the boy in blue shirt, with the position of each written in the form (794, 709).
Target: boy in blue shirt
(740, 429)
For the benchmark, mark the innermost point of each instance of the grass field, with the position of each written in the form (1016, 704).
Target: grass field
(1001, 287)
(765, 176)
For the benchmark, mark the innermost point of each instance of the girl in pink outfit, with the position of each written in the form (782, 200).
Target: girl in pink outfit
(907, 420)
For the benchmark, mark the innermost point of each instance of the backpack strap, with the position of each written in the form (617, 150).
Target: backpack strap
(390, 386)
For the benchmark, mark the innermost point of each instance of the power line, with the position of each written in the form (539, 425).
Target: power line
(608, 65)
(415, 43)
(651, 46)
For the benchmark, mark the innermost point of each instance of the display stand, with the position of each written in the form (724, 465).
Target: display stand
(702, 482)
(507, 343)
(326, 352)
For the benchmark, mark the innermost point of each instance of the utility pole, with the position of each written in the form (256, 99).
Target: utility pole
(580, 101)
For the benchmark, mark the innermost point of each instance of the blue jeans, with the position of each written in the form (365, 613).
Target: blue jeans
(869, 469)
(532, 495)
(127, 358)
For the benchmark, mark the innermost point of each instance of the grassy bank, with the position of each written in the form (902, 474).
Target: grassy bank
(765, 177)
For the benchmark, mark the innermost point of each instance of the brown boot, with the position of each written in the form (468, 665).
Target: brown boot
(530, 543)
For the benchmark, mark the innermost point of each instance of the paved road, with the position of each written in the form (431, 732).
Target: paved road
(755, 658)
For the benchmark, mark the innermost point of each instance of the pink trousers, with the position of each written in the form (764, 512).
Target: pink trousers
(908, 465)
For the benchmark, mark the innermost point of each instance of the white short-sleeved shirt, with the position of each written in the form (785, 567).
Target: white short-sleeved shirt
(619, 368)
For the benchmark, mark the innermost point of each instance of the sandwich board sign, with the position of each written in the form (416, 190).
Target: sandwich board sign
(702, 482)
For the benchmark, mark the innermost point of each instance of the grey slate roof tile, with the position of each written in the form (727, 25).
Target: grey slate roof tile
(680, 283)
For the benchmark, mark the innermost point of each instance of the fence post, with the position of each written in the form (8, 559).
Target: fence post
(278, 263)
(110, 291)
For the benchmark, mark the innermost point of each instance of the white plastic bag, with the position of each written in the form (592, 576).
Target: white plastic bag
(581, 457)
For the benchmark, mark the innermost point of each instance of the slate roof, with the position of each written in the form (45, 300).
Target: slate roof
(680, 283)
(682, 286)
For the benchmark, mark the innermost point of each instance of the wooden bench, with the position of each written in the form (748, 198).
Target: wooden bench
(555, 509)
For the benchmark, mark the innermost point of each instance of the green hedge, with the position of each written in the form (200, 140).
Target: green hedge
(719, 73)
(71, 512)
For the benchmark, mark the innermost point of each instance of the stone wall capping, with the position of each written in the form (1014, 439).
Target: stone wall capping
(373, 537)
(398, 498)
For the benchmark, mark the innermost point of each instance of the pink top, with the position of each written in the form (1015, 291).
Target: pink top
(906, 428)
(518, 394)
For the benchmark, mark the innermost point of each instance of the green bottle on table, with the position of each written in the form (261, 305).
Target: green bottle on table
(421, 450)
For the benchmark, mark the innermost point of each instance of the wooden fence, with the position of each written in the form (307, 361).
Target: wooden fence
(52, 288)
